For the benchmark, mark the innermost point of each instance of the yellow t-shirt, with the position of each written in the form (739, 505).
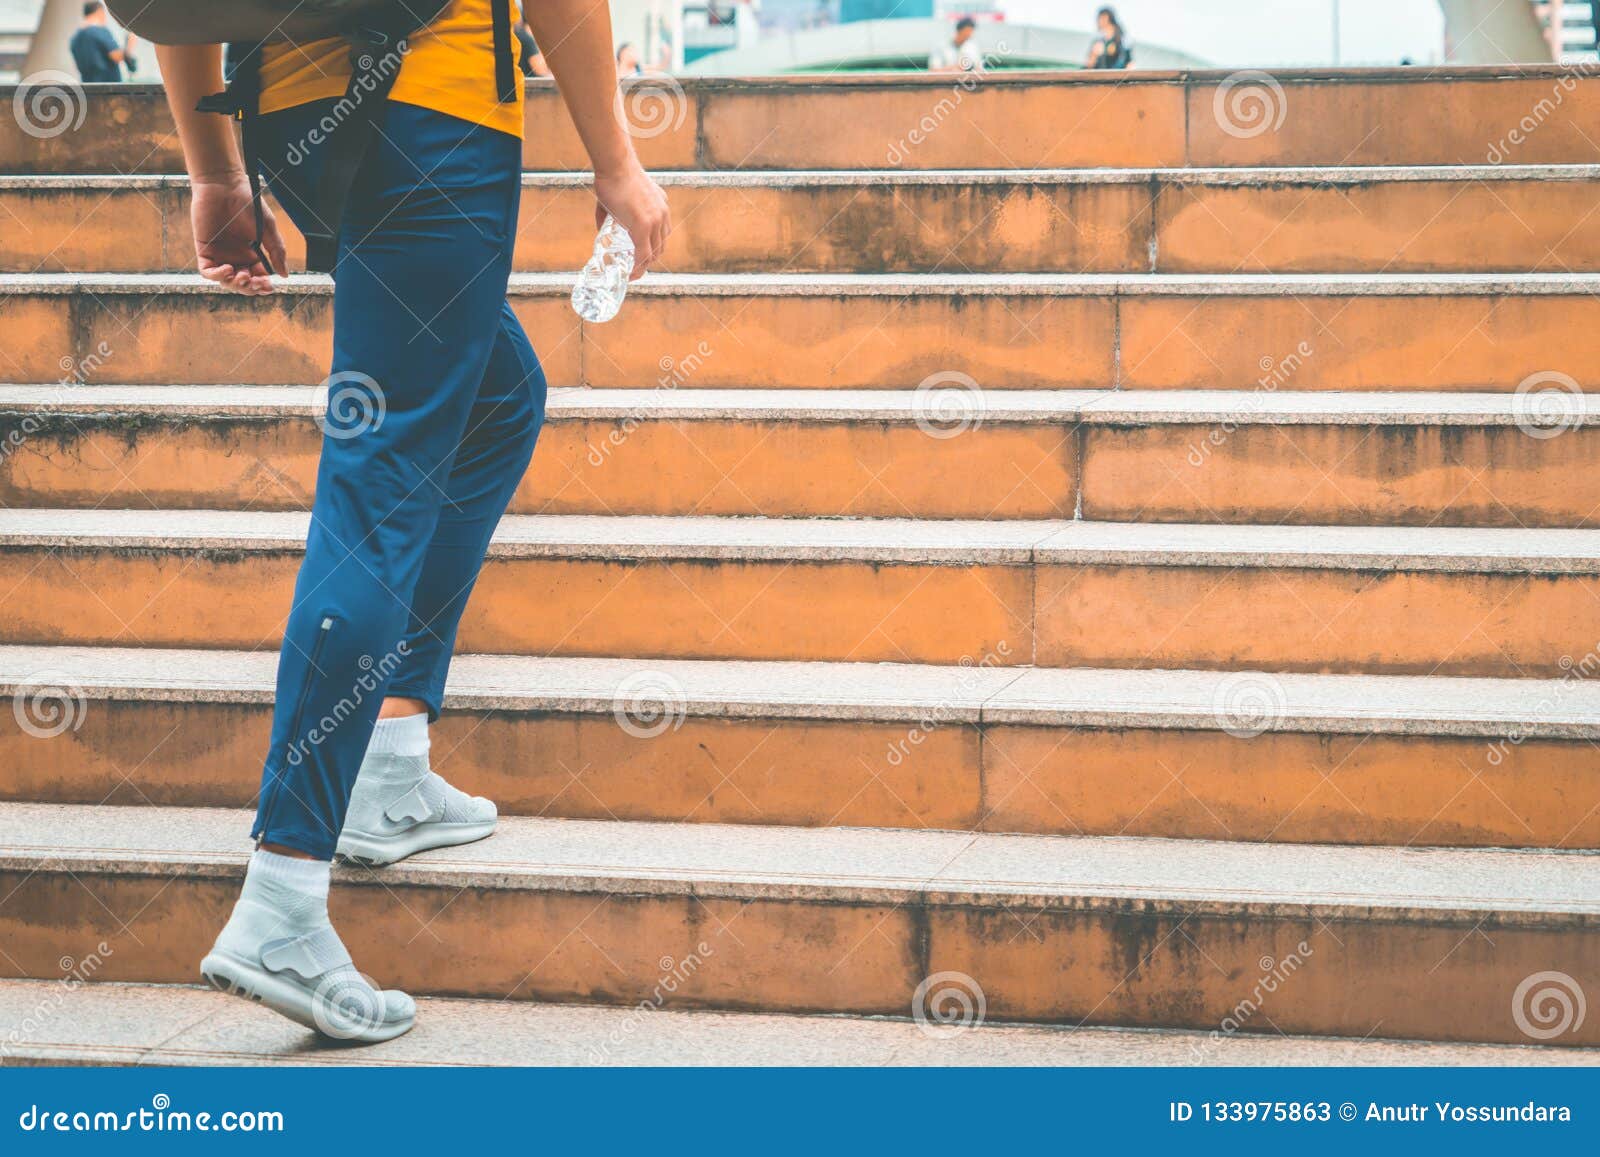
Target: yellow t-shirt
(449, 68)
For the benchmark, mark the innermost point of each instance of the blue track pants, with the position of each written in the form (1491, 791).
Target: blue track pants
(434, 404)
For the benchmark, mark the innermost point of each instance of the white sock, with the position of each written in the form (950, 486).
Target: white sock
(274, 875)
(402, 735)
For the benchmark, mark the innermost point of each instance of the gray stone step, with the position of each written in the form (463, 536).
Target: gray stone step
(1053, 593)
(1476, 550)
(1238, 755)
(48, 1023)
(1477, 332)
(875, 692)
(1148, 933)
(1253, 219)
(945, 451)
(1107, 407)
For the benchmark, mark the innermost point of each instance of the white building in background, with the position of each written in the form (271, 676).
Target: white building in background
(1226, 33)
(19, 20)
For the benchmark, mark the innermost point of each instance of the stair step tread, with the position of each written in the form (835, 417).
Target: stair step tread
(869, 866)
(1097, 407)
(874, 178)
(153, 1024)
(1064, 697)
(905, 284)
(896, 540)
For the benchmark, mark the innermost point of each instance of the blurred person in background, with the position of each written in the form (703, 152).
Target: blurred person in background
(631, 63)
(530, 58)
(95, 50)
(1111, 49)
(962, 54)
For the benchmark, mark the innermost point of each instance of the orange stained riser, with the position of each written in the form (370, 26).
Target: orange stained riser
(750, 227)
(1298, 787)
(1358, 474)
(672, 335)
(1112, 615)
(582, 466)
(1401, 473)
(1019, 120)
(1406, 976)
(978, 224)
(684, 608)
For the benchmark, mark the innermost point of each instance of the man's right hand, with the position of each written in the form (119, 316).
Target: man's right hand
(632, 196)
(224, 223)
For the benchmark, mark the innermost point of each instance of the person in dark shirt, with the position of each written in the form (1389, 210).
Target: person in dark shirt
(530, 58)
(95, 50)
(1111, 50)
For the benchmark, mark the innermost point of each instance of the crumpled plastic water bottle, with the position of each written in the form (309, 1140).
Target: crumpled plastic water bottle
(603, 282)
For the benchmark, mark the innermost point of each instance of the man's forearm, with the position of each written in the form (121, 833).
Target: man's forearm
(575, 36)
(191, 71)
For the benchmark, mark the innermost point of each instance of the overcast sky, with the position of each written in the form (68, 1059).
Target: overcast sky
(1262, 32)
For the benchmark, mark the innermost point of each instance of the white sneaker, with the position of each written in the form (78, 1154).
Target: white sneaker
(279, 949)
(399, 808)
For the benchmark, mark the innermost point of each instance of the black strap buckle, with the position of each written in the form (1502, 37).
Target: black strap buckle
(226, 103)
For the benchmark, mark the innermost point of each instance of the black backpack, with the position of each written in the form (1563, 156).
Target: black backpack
(376, 31)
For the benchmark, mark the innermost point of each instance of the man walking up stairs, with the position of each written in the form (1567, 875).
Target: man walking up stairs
(1128, 563)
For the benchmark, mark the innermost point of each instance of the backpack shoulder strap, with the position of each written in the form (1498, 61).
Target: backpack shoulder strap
(375, 57)
(505, 59)
(241, 99)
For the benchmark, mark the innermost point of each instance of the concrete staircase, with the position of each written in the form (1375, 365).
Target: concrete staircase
(1057, 552)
